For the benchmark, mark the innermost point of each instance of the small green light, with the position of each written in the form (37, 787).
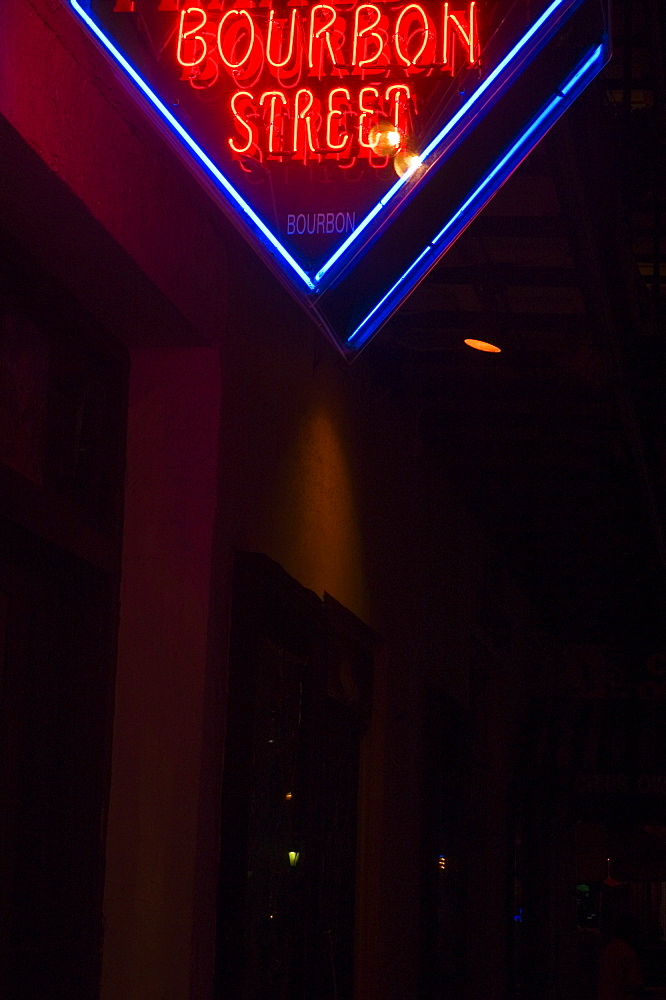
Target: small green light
(293, 858)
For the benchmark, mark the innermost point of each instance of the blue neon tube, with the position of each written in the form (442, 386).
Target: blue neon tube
(442, 134)
(194, 146)
(231, 191)
(463, 215)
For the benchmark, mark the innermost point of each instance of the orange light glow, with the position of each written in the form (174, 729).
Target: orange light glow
(191, 34)
(482, 345)
(384, 139)
(404, 161)
(288, 796)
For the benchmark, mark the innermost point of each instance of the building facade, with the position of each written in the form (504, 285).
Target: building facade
(281, 718)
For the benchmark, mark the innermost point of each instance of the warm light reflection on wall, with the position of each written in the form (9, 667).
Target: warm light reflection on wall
(316, 513)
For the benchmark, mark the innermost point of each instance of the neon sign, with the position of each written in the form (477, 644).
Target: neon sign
(284, 74)
(352, 142)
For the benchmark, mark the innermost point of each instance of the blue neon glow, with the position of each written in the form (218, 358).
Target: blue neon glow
(390, 292)
(521, 141)
(461, 213)
(230, 190)
(194, 146)
(368, 219)
(462, 216)
(493, 76)
(459, 115)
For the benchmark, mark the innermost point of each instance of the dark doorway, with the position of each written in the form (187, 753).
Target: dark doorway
(299, 694)
(57, 652)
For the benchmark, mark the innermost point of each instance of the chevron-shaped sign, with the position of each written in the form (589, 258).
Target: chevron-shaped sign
(352, 142)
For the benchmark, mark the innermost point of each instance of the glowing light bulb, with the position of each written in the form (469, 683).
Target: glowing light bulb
(404, 161)
(385, 139)
(293, 858)
(482, 345)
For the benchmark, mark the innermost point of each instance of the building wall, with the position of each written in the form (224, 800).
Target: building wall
(246, 432)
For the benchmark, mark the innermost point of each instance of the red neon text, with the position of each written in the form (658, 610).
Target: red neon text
(302, 127)
(326, 42)
(311, 80)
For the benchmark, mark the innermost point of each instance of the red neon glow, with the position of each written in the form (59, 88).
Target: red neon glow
(259, 46)
(273, 96)
(336, 113)
(367, 32)
(323, 32)
(366, 113)
(302, 115)
(123, 6)
(466, 32)
(412, 8)
(243, 123)
(250, 44)
(190, 35)
(269, 38)
(399, 96)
